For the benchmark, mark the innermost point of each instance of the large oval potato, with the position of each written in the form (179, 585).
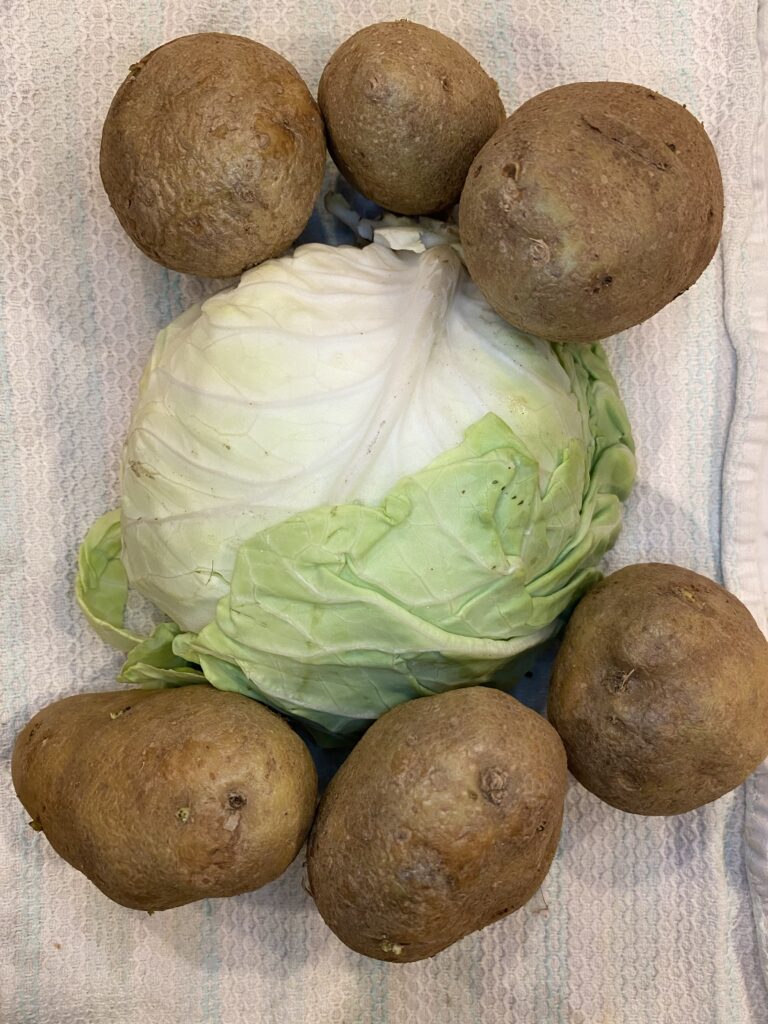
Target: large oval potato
(165, 797)
(407, 108)
(444, 818)
(595, 205)
(660, 690)
(212, 154)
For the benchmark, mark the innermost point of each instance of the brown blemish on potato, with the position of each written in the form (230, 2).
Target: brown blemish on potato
(493, 785)
(539, 251)
(617, 682)
(689, 595)
(614, 130)
(119, 713)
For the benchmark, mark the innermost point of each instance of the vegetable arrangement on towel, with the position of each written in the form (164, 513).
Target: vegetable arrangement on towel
(377, 472)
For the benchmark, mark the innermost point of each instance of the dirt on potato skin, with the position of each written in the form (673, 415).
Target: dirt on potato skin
(162, 797)
(407, 109)
(660, 690)
(212, 154)
(444, 818)
(595, 205)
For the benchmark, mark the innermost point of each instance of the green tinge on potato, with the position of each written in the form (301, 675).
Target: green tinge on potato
(444, 818)
(169, 796)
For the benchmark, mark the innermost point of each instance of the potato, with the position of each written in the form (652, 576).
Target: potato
(165, 797)
(406, 110)
(212, 154)
(595, 205)
(444, 818)
(660, 690)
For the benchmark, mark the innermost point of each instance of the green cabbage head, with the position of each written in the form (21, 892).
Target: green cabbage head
(347, 482)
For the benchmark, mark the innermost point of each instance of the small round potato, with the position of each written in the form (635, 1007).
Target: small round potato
(212, 154)
(660, 690)
(595, 205)
(165, 797)
(406, 110)
(444, 818)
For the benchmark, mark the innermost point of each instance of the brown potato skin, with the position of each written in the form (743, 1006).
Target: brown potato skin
(595, 205)
(212, 154)
(444, 818)
(165, 797)
(660, 690)
(406, 110)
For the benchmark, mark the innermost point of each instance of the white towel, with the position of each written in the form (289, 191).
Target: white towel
(641, 920)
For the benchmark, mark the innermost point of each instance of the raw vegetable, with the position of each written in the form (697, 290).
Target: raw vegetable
(660, 690)
(348, 482)
(212, 154)
(406, 109)
(444, 818)
(165, 797)
(591, 208)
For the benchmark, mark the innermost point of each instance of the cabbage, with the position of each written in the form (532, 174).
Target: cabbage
(347, 482)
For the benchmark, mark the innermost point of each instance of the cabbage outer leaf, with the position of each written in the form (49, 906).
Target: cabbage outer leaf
(101, 589)
(339, 613)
